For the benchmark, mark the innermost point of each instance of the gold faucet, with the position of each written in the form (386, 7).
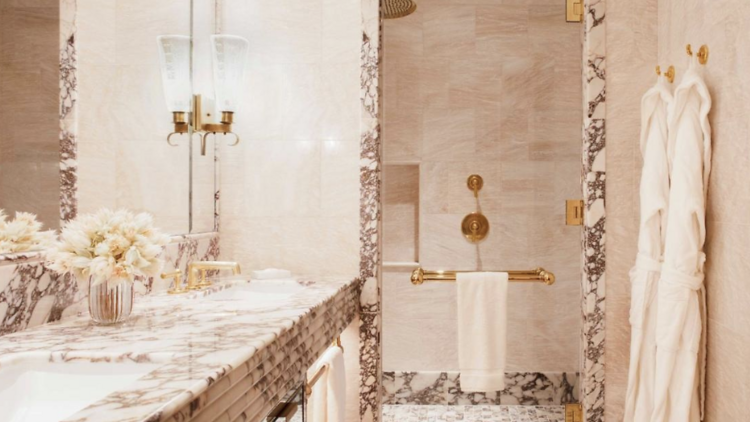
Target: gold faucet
(204, 266)
(176, 282)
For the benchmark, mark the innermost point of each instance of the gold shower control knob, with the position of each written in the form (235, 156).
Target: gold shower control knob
(475, 227)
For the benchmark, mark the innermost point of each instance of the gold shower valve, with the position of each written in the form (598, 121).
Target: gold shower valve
(475, 227)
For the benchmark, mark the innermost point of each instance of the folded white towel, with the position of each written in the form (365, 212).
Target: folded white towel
(270, 274)
(328, 399)
(482, 321)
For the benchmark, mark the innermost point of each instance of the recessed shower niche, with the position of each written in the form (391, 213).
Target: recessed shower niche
(401, 215)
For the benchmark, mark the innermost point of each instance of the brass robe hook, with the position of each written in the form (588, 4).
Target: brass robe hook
(702, 53)
(669, 74)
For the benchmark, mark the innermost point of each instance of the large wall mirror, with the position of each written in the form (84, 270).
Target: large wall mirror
(123, 116)
(29, 106)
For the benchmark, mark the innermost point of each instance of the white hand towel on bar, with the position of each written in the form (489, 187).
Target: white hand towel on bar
(482, 321)
(328, 399)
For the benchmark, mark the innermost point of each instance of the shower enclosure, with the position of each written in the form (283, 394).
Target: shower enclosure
(490, 89)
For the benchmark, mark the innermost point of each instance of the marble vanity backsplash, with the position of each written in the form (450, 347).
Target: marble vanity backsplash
(443, 388)
(31, 294)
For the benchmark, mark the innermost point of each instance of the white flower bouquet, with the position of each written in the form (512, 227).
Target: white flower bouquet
(23, 233)
(109, 246)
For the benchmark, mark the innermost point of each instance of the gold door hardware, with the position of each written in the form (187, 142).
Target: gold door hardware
(475, 227)
(204, 266)
(574, 11)
(574, 212)
(669, 74)
(702, 53)
(573, 412)
(475, 184)
(176, 282)
(311, 383)
(202, 128)
(419, 276)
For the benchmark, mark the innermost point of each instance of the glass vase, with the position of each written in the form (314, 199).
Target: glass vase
(110, 302)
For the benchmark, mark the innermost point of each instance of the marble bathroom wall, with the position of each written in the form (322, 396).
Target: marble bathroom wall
(647, 33)
(495, 89)
(290, 189)
(29, 79)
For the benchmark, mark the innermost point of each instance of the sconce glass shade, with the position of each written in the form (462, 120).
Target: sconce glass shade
(174, 55)
(229, 59)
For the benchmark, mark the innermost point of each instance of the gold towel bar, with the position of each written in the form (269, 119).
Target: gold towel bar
(322, 370)
(419, 276)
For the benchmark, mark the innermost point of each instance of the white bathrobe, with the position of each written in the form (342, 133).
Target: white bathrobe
(644, 276)
(680, 351)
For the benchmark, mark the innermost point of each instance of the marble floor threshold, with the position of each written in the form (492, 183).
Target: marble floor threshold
(473, 413)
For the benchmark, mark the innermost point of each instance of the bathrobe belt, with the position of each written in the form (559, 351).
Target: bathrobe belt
(647, 263)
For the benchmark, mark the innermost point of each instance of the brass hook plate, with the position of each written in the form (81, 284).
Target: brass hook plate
(475, 227)
(669, 74)
(702, 53)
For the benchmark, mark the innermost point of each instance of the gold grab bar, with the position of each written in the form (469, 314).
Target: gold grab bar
(322, 370)
(419, 276)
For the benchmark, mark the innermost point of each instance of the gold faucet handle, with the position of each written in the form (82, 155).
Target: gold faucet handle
(176, 282)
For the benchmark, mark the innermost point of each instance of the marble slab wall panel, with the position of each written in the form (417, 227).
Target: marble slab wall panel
(370, 214)
(593, 185)
(443, 388)
(68, 110)
(31, 294)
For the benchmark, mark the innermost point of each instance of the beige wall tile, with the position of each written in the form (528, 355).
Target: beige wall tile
(290, 189)
(631, 57)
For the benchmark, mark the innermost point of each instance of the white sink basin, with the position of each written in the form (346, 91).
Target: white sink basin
(32, 389)
(260, 291)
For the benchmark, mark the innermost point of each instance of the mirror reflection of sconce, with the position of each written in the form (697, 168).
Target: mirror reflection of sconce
(229, 56)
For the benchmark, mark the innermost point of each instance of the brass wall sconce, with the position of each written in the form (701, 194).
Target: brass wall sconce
(201, 127)
(229, 56)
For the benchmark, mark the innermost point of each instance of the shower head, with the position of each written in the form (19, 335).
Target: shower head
(393, 9)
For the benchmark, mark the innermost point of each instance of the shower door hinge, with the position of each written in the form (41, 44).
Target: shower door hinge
(573, 412)
(574, 11)
(574, 212)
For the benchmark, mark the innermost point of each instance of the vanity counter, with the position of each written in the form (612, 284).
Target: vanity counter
(218, 360)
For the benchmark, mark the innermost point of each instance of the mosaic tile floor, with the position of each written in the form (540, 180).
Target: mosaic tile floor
(475, 413)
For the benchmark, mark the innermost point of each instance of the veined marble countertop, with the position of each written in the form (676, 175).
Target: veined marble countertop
(209, 349)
